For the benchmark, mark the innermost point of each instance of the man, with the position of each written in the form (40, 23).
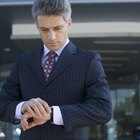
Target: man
(58, 92)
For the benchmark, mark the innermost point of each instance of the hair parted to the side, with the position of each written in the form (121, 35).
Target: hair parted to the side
(52, 7)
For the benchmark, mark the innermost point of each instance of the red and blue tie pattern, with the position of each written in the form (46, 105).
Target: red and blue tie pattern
(48, 65)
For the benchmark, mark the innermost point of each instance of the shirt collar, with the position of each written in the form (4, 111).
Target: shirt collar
(58, 52)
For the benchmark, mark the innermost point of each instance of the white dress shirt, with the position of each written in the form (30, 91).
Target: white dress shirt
(57, 116)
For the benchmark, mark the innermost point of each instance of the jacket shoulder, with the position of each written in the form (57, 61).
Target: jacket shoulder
(88, 54)
(28, 55)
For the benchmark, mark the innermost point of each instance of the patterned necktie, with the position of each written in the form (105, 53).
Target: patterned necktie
(48, 65)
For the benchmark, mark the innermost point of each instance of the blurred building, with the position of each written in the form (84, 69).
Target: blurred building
(110, 27)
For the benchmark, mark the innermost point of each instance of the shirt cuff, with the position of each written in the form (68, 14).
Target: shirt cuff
(57, 116)
(18, 114)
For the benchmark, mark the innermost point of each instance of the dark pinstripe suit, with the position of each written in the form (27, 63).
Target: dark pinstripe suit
(77, 85)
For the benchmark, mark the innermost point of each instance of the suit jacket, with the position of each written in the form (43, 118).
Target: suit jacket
(76, 84)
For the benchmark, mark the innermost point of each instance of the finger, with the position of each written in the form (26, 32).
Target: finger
(27, 107)
(44, 118)
(23, 127)
(41, 108)
(45, 105)
(33, 107)
(38, 107)
(24, 120)
(32, 124)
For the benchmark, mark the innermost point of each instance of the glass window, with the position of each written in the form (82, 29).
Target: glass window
(125, 114)
(7, 59)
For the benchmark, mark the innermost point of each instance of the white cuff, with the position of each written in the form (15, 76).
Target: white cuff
(18, 114)
(57, 116)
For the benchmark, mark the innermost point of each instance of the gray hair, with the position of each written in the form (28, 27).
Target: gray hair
(52, 7)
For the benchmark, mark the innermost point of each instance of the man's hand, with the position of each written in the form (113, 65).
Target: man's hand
(35, 107)
(38, 110)
(36, 120)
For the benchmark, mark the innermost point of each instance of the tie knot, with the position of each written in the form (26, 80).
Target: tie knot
(52, 54)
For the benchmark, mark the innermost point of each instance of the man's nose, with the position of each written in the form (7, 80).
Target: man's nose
(51, 35)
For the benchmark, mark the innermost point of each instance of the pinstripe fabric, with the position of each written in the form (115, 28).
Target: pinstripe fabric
(76, 84)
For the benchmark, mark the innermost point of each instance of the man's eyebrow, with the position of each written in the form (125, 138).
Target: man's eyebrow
(60, 26)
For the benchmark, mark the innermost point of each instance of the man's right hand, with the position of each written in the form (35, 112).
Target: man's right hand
(35, 106)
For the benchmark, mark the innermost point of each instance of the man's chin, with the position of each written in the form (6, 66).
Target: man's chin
(53, 47)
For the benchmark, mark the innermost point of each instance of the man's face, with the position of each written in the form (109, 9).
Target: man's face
(53, 30)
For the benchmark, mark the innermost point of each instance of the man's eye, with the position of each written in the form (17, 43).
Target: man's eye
(44, 30)
(57, 29)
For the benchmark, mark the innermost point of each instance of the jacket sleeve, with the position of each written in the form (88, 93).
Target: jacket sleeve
(10, 96)
(97, 107)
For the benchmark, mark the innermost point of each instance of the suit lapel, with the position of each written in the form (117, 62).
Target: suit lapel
(65, 59)
(37, 66)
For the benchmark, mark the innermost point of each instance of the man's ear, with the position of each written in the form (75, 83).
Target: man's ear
(69, 23)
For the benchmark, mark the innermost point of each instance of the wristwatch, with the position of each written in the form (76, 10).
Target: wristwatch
(51, 114)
